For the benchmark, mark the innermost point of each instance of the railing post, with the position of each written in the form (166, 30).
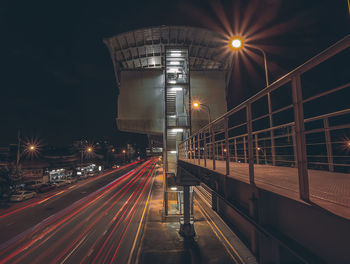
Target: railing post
(272, 136)
(186, 149)
(222, 150)
(227, 147)
(256, 149)
(300, 138)
(235, 145)
(250, 143)
(245, 150)
(328, 144)
(191, 148)
(294, 147)
(205, 149)
(213, 145)
(199, 149)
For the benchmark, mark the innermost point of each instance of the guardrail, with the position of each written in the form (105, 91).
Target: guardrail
(301, 120)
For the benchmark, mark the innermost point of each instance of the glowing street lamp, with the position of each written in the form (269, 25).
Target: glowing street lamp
(237, 43)
(124, 152)
(197, 106)
(31, 147)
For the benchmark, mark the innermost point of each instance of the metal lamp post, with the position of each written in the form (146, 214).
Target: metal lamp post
(237, 43)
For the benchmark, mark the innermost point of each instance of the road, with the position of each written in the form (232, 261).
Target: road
(93, 222)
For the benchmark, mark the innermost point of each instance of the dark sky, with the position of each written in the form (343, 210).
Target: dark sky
(57, 80)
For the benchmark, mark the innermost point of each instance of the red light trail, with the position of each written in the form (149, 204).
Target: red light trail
(101, 218)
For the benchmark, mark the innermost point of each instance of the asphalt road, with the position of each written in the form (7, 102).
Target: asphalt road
(91, 222)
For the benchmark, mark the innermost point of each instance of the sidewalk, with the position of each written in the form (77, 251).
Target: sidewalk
(161, 242)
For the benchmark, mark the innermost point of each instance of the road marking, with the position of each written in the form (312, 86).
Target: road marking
(70, 253)
(51, 197)
(211, 222)
(139, 228)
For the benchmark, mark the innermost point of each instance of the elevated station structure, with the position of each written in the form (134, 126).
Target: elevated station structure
(159, 70)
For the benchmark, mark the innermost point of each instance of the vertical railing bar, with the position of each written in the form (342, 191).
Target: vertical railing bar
(199, 149)
(250, 143)
(273, 150)
(205, 149)
(300, 138)
(227, 147)
(235, 145)
(328, 144)
(213, 145)
(245, 150)
(257, 148)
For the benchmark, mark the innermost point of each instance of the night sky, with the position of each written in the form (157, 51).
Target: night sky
(57, 80)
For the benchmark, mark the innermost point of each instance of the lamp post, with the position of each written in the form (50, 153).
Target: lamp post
(31, 148)
(197, 105)
(88, 150)
(237, 43)
(124, 152)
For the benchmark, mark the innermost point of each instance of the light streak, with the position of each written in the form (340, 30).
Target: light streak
(94, 196)
(117, 224)
(106, 210)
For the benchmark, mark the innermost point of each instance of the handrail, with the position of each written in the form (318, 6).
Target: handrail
(248, 143)
(319, 58)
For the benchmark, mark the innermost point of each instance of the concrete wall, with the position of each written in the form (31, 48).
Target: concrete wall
(293, 227)
(141, 99)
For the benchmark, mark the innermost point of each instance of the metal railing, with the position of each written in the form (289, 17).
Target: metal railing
(310, 128)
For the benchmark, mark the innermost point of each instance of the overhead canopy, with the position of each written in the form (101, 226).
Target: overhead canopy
(144, 48)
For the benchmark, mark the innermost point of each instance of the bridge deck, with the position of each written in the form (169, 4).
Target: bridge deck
(329, 190)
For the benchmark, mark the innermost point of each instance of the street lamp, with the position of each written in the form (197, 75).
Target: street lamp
(236, 43)
(124, 152)
(197, 106)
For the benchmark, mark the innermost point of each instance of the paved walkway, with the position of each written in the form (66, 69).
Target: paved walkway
(161, 242)
(329, 190)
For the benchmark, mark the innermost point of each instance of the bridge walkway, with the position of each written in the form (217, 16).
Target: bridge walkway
(329, 190)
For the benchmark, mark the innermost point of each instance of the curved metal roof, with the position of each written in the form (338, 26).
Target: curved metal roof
(144, 48)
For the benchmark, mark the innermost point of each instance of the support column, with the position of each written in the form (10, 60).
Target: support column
(187, 228)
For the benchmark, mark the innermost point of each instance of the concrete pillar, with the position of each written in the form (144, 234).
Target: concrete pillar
(187, 228)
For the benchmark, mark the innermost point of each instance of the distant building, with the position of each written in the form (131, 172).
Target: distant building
(34, 170)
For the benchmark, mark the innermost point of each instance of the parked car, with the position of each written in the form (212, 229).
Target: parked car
(46, 188)
(60, 183)
(22, 195)
(72, 180)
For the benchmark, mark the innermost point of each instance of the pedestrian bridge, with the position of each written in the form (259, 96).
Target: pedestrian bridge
(278, 164)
